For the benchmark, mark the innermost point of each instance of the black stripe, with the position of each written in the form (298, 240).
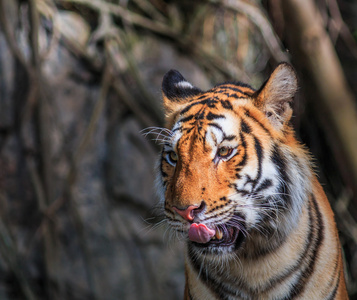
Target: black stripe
(187, 131)
(186, 119)
(224, 88)
(243, 162)
(335, 272)
(242, 192)
(226, 104)
(217, 126)
(200, 115)
(163, 173)
(245, 127)
(211, 116)
(283, 189)
(229, 137)
(260, 155)
(230, 95)
(333, 294)
(247, 113)
(212, 104)
(225, 137)
(240, 91)
(299, 287)
(176, 129)
(235, 83)
(267, 183)
(204, 96)
(203, 102)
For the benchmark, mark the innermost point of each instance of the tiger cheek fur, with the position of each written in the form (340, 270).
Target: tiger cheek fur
(240, 188)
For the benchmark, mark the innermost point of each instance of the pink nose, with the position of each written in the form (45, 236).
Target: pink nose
(187, 213)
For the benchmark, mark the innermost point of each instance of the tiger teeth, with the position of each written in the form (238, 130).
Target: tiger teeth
(219, 234)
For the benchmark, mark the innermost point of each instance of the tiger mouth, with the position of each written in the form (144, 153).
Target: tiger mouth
(225, 236)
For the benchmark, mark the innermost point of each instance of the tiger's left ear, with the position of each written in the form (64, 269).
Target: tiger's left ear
(176, 91)
(274, 97)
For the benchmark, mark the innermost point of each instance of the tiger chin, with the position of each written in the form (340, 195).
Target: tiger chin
(240, 188)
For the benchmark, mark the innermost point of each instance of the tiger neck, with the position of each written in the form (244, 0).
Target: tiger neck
(254, 274)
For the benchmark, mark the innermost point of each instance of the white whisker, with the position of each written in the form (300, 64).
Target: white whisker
(161, 135)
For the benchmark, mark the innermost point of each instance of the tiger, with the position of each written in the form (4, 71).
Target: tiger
(241, 190)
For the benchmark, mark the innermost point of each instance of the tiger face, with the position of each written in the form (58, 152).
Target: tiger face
(224, 174)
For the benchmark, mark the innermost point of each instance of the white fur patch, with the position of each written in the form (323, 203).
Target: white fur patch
(184, 84)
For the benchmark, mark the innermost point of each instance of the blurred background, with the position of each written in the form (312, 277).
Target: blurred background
(80, 80)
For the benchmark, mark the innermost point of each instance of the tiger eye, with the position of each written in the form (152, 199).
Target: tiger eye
(173, 156)
(224, 152)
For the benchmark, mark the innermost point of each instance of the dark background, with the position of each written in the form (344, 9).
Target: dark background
(80, 80)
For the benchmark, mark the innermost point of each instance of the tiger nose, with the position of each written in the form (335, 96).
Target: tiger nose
(191, 211)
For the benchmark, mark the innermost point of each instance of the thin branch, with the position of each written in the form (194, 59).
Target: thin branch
(10, 255)
(345, 217)
(341, 28)
(127, 15)
(97, 112)
(49, 10)
(260, 21)
(127, 99)
(149, 8)
(10, 38)
(50, 237)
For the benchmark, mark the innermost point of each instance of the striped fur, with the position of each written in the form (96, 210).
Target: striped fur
(231, 164)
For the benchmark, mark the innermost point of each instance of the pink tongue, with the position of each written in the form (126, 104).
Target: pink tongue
(200, 233)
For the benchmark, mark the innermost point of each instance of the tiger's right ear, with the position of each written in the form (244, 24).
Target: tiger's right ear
(176, 91)
(276, 94)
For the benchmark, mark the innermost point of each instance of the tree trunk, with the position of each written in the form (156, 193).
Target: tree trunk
(316, 56)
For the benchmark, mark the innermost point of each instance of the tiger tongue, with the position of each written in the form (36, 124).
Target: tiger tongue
(200, 233)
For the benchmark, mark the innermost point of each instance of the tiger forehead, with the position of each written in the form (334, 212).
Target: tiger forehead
(228, 91)
(204, 123)
(239, 90)
(215, 108)
(219, 97)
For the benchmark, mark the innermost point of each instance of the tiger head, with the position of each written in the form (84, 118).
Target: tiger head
(232, 175)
